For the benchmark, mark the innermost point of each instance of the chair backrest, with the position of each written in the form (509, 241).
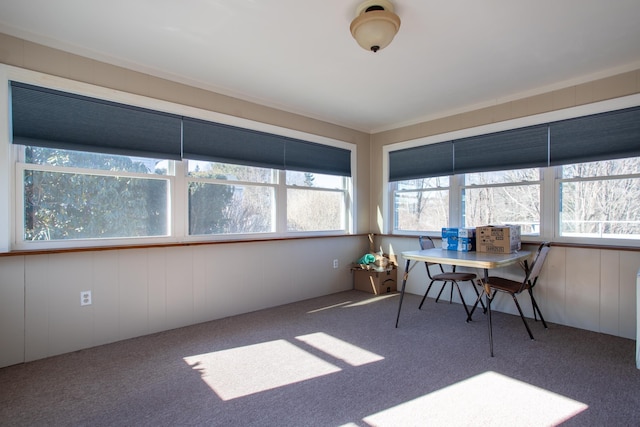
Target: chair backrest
(426, 242)
(538, 261)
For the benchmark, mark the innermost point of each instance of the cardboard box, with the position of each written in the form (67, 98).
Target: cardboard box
(499, 239)
(450, 239)
(376, 281)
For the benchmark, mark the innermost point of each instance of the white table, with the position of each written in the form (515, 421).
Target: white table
(485, 261)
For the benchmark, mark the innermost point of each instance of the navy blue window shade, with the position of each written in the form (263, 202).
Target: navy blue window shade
(229, 144)
(216, 142)
(421, 162)
(311, 157)
(604, 136)
(511, 149)
(49, 118)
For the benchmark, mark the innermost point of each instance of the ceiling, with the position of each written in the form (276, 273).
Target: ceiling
(299, 56)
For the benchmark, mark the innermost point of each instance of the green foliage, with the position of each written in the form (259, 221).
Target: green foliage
(207, 204)
(69, 205)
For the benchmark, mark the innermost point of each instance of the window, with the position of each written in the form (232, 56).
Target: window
(94, 172)
(594, 200)
(230, 199)
(316, 202)
(69, 195)
(574, 179)
(600, 199)
(421, 204)
(502, 197)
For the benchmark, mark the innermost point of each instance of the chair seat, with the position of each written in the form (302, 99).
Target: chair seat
(506, 285)
(459, 277)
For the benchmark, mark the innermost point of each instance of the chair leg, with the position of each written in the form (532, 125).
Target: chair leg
(536, 308)
(479, 299)
(425, 295)
(451, 292)
(464, 304)
(473, 285)
(526, 325)
(441, 289)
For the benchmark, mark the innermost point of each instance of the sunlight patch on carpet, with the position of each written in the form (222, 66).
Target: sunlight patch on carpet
(486, 399)
(243, 371)
(347, 352)
(329, 307)
(373, 299)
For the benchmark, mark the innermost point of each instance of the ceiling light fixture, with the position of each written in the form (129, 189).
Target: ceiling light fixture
(375, 24)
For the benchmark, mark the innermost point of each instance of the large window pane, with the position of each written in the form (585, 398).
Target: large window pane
(515, 204)
(606, 208)
(426, 210)
(421, 204)
(61, 206)
(315, 210)
(229, 209)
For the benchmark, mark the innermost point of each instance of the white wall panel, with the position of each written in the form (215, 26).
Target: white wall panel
(106, 297)
(609, 292)
(583, 288)
(551, 288)
(133, 292)
(70, 324)
(37, 302)
(11, 310)
(157, 289)
(629, 266)
(201, 303)
(180, 295)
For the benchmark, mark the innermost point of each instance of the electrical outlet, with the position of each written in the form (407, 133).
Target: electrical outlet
(335, 263)
(85, 298)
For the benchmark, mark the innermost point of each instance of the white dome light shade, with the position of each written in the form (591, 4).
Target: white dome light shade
(375, 25)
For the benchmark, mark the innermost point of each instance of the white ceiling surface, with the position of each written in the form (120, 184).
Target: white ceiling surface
(295, 55)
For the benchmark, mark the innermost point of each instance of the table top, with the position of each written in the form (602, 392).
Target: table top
(466, 259)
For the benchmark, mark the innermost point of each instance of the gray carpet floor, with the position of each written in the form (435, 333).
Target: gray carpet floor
(336, 361)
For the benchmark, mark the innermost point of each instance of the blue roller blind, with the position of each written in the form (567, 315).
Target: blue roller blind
(50, 118)
(216, 142)
(605, 136)
(311, 157)
(421, 162)
(210, 141)
(511, 149)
